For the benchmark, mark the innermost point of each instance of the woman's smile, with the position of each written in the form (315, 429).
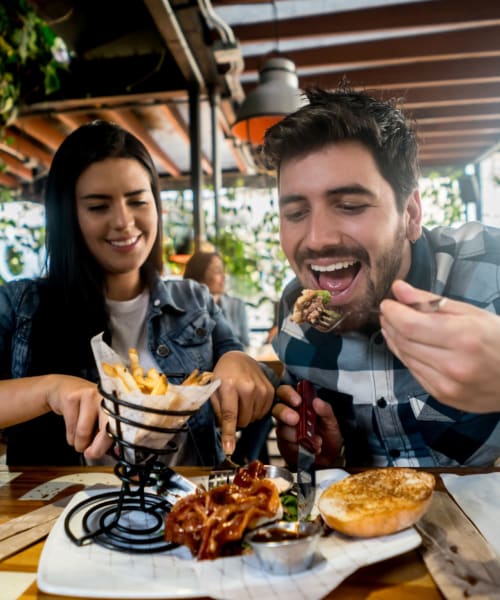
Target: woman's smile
(125, 243)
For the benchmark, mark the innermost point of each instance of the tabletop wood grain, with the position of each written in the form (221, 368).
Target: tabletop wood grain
(404, 577)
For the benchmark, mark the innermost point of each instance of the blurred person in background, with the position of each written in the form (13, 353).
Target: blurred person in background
(208, 268)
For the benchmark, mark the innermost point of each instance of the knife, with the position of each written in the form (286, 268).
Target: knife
(306, 471)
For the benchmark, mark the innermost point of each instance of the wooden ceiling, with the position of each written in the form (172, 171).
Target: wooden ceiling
(138, 62)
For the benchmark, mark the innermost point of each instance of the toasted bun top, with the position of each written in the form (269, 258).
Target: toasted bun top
(377, 501)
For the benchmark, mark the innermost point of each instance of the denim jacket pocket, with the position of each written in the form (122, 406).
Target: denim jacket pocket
(196, 332)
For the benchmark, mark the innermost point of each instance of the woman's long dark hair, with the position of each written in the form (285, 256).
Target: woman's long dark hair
(72, 304)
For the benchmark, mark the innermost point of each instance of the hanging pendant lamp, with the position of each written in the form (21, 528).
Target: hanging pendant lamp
(276, 96)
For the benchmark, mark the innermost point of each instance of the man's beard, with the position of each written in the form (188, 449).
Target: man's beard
(387, 266)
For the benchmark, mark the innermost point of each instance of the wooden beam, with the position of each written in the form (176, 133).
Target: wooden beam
(436, 73)
(440, 46)
(9, 181)
(42, 129)
(28, 148)
(382, 18)
(174, 118)
(16, 167)
(129, 121)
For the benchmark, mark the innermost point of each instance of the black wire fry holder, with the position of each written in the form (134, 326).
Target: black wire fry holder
(129, 519)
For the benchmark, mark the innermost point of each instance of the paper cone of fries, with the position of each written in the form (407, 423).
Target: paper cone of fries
(117, 379)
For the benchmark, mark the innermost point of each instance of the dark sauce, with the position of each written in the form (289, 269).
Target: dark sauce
(275, 534)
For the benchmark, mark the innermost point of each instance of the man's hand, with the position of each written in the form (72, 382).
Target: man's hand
(79, 402)
(244, 395)
(453, 353)
(328, 440)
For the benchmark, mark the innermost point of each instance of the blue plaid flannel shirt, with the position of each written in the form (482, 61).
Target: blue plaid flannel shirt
(385, 415)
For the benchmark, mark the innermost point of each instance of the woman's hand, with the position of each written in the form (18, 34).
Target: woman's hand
(453, 353)
(328, 440)
(79, 402)
(244, 395)
(76, 399)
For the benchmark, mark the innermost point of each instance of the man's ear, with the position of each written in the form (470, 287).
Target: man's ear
(413, 217)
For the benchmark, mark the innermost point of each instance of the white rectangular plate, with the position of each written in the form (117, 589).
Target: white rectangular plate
(93, 571)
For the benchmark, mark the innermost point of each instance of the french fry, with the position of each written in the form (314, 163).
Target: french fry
(109, 369)
(161, 386)
(153, 383)
(204, 378)
(135, 367)
(126, 378)
(151, 380)
(191, 379)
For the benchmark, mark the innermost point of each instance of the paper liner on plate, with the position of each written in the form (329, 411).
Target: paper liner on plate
(178, 398)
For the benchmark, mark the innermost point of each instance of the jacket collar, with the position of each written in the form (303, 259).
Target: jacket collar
(161, 297)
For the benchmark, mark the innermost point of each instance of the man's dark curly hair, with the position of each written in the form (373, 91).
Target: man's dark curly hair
(345, 114)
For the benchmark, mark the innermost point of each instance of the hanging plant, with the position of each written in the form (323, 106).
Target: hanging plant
(31, 56)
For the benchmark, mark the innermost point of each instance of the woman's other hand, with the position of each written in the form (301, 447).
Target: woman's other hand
(244, 395)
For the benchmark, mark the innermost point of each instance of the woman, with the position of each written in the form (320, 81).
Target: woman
(208, 268)
(104, 257)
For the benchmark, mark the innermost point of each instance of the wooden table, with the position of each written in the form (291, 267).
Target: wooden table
(404, 577)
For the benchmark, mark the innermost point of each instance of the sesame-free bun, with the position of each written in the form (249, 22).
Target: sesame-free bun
(377, 501)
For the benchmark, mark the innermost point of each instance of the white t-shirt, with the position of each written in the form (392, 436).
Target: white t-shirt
(128, 328)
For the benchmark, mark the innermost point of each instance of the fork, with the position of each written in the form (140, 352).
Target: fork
(327, 322)
(223, 473)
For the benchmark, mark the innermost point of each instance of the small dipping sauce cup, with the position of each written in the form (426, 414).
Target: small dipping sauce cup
(281, 476)
(283, 547)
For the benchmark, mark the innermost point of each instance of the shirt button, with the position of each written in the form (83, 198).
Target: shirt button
(381, 402)
(156, 302)
(163, 350)
(395, 453)
(201, 331)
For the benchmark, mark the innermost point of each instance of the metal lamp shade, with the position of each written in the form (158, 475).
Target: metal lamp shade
(276, 96)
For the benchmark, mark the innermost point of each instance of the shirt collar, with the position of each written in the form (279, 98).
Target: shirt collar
(422, 273)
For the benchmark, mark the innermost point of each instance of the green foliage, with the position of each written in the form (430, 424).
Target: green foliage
(441, 201)
(248, 239)
(30, 62)
(28, 50)
(250, 246)
(22, 238)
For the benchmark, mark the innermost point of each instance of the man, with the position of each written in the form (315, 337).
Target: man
(395, 386)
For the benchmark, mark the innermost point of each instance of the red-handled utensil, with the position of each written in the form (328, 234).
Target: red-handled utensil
(306, 472)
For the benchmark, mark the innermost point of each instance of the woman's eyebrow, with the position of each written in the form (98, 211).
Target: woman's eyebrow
(136, 192)
(98, 196)
(94, 196)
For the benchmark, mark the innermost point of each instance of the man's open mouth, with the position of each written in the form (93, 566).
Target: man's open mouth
(336, 277)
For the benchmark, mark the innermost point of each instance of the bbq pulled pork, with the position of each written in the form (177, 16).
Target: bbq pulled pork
(311, 305)
(212, 524)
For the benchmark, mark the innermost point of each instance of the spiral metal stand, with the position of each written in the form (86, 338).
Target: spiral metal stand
(129, 519)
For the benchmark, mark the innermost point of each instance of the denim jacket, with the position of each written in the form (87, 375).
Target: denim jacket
(186, 331)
